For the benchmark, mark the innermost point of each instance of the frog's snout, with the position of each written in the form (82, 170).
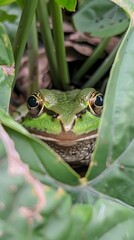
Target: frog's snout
(67, 127)
(67, 124)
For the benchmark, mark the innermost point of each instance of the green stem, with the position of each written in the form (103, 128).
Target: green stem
(59, 44)
(48, 41)
(101, 71)
(91, 60)
(33, 57)
(23, 31)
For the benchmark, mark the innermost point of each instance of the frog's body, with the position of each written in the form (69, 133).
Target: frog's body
(67, 121)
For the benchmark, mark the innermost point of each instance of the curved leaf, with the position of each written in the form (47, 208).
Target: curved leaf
(117, 125)
(47, 213)
(39, 156)
(114, 155)
(103, 19)
(117, 180)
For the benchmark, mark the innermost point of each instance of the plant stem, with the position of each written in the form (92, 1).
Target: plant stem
(101, 71)
(59, 44)
(48, 40)
(91, 60)
(33, 57)
(23, 31)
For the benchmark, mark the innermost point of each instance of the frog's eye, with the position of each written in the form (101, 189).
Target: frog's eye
(99, 100)
(34, 104)
(96, 103)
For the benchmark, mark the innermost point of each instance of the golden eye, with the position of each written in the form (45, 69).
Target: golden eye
(35, 103)
(96, 103)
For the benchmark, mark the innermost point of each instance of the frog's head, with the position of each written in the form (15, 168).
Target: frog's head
(63, 115)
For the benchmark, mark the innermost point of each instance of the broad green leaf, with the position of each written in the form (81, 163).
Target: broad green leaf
(49, 213)
(117, 125)
(114, 156)
(57, 223)
(117, 180)
(37, 154)
(81, 214)
(6, 69)
(110, 221)
(6, 2)
(68, 4)
(103, 19)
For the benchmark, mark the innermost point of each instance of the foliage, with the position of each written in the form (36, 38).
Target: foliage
(105, 20)
(71, 207)
(6, 69)
(51, 214)
(9, 17)
(69, 5)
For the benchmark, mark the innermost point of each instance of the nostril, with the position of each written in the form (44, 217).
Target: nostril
(79, 115)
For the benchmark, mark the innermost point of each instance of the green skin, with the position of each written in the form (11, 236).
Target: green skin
(69, 125)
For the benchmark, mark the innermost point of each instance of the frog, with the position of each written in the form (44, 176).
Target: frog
(67, 121)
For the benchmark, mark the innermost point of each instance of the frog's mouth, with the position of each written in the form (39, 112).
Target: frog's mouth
(65, 138)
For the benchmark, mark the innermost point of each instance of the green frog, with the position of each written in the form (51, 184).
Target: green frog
(66, 121)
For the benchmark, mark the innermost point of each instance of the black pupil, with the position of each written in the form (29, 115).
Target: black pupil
(32, 102)
(99, 100)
